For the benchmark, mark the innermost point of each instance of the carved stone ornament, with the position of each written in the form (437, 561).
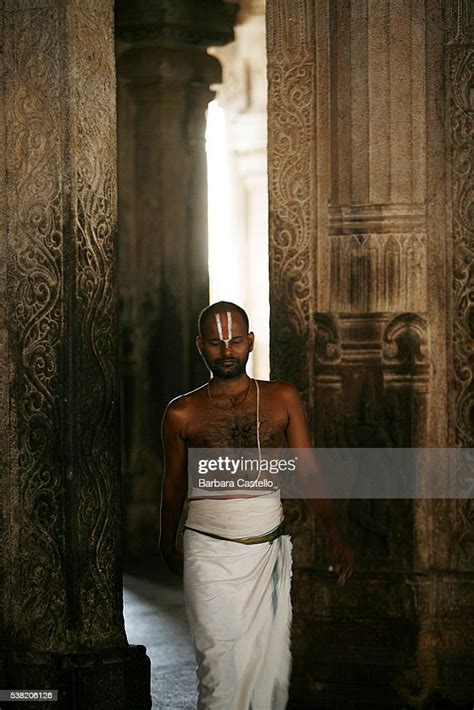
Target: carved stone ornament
(460, 74)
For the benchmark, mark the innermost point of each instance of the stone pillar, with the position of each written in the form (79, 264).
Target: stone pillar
(459, 72)
(243, 96)
(360, 259)
(164, 74)
(61, 623)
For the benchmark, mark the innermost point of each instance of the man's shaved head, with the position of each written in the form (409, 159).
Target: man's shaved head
(221, 307)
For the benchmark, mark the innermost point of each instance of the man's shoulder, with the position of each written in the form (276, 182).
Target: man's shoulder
(279, 390)
(184, 403)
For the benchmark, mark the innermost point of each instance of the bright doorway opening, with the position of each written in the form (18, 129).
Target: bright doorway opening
(238, 223)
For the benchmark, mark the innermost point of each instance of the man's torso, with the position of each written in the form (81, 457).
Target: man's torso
(211, 422)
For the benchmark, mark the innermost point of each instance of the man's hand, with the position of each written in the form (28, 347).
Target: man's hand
(341, 560)
(174, 484)
(173, 560)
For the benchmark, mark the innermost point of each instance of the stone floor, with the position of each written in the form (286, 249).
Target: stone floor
(155, 617)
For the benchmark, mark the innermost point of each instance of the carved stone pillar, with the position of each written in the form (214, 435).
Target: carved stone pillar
(361, 256)
(164, 74)
(61, 623)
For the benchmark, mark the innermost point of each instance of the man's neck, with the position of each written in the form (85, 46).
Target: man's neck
(229, 386)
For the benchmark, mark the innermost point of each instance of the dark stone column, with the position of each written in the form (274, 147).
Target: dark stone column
(164, 75)
(61, 622)
(371, 317)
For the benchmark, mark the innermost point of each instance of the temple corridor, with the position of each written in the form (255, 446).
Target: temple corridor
(350, 127)
(155, 616)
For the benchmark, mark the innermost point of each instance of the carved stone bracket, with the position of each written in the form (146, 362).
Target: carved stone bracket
(327, 343)
(406, 341)
(372, 363)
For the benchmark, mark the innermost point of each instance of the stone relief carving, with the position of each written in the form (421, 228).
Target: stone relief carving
(97, 335)
(291, 191)
(60, 111)
(35, 223)
(327, 340)
(379, 390)
(405, 340)
(460, 77)
(290, 180)
(460, 73)
(377, 257)
(378, 272)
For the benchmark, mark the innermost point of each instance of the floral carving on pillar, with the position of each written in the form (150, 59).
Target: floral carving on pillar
(460, 79)
(60, 162)
(460, 73)
(292, 218)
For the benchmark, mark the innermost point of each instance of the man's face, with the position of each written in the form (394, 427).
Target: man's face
(225, 344)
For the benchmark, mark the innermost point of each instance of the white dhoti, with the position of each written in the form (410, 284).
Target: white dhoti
(238, 604)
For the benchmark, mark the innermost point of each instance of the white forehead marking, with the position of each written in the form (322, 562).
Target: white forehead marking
(220, 332)
(217, 316)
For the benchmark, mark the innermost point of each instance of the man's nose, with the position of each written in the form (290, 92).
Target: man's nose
(226, 345)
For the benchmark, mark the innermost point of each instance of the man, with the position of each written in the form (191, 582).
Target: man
(237, 562)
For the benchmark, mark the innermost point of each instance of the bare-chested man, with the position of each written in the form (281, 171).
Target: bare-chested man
(237, 562)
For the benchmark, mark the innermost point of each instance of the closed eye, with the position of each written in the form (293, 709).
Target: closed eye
(235, 341)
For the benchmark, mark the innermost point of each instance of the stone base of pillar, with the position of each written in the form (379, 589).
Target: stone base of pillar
(454, 686)
(442, 685)
(112, 679)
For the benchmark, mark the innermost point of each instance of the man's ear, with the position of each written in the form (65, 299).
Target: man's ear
(251, 338)
(199, 344)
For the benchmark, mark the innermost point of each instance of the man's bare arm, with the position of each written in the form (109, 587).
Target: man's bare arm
(298, 437)
(174, 485)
